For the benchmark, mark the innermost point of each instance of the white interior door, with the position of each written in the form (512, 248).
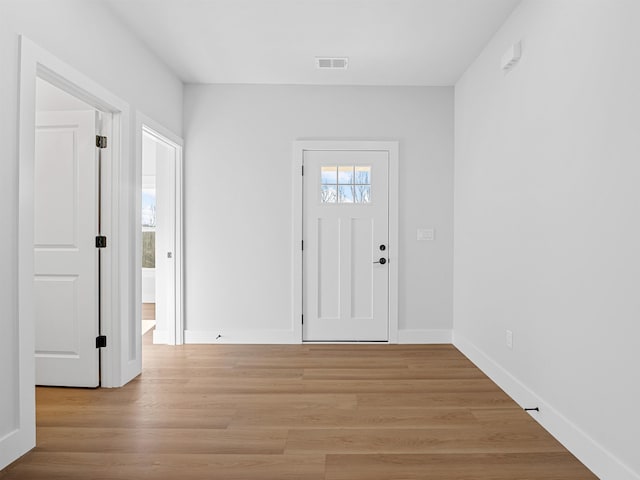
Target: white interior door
(65, 255)
(346, 246)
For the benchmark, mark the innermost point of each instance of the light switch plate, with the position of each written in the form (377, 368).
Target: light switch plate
(426, 234)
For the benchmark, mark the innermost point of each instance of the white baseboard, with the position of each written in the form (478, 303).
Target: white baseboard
(424, 336)
(288, 336)
(599, 460)
(160, 337)
(15, 444)
(240, 336)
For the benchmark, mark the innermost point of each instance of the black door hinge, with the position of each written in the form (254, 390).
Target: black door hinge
(101, 241)
(101, 341)
(101, 142)
(302, 319)
(301, 244)
(303, 170)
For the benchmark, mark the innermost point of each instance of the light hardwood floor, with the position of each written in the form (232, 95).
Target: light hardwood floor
(338, 412)
(148, 311)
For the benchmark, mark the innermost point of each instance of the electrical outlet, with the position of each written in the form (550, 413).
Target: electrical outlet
(509, 339)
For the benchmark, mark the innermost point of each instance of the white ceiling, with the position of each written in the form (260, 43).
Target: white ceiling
(388, 42)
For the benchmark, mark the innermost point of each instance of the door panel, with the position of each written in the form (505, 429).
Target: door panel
(56, 297)
(56, 220)
(361, 278)
(66, 260)
(345, 294)
(328, 268)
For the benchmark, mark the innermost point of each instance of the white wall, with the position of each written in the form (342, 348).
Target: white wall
(238, 210)
(547, 222)
(88, 38)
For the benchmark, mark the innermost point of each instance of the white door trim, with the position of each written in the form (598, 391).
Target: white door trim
(299, 147)
(143, 123)
(37, 62)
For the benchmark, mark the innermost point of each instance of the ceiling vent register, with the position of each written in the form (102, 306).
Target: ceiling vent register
(332, 63)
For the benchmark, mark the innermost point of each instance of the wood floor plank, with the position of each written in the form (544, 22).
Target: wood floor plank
(424, 440)
(353, 418)
(448, 371)
(209, 374)
(499, 466)
(326, 362)
(396, 386)
(216, 401)
(111, 417)
(501, 416)
(106, 466)
(167, 440)
(492, 399)
(148, 311)
(312, 412)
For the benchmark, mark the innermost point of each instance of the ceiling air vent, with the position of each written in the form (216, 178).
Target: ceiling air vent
(333, 63)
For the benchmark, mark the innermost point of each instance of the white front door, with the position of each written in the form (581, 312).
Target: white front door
(65, 254)
(346, 246)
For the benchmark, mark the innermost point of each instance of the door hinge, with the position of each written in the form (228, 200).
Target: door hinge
(101, 341)
(101, 241)
(303, 170)
(302, 319)
(101, 142)
(301, 244)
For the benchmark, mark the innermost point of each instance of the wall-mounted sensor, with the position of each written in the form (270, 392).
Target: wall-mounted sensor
(511, 57)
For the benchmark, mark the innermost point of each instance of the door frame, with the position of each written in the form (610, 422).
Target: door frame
(175, 334)
(117, 366)
(299, 147)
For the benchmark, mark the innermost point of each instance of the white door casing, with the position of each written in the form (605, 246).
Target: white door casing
(166, 150)
(346, 245)
(65, 256)
(121, 360)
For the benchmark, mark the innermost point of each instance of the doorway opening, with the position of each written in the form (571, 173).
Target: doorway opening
(160, 235)
(148, 223)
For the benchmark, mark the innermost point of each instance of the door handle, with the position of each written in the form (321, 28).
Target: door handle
(382, 261)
